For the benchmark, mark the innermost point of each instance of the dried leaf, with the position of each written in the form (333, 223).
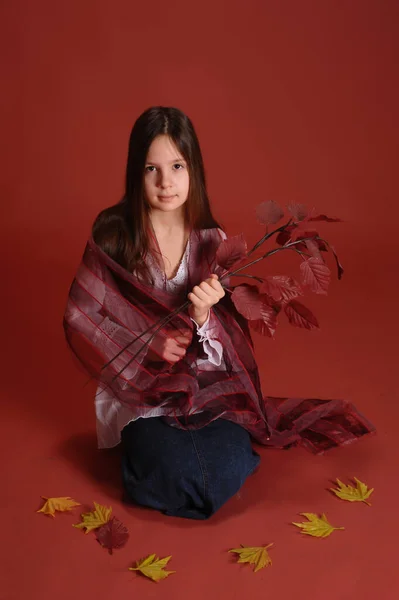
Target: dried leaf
(257, 556)
(298, 211)
(95, 519)
(316, 274)
(62, 504)
(112, 535)
(153, 567)
(231, 251)
(281, 288)
(360, 493)
(316, 526)
(300, 316)
(269, 213)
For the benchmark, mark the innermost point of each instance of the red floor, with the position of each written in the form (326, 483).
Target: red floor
(48, 448)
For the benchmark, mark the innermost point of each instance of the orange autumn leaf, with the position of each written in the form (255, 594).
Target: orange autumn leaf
(257, 556)
(153, 567)
(61, 504)
(316, 526)
(95, 519)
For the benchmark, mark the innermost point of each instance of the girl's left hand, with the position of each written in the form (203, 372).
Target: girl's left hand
(203, 297)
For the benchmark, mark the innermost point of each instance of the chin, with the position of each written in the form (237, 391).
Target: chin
(170, 208)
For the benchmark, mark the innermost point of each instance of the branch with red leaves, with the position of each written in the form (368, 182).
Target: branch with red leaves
(261, 304)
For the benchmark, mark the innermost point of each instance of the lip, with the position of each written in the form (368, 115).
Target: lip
(166, 197)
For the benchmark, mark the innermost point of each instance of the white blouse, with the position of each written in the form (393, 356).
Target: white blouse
(112, 415)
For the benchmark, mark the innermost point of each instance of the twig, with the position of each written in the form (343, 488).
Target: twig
(268, 236)
(269, 253)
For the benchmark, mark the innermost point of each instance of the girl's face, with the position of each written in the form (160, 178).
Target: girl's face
(166, 179)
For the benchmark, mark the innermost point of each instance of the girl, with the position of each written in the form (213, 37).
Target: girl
(186, 400)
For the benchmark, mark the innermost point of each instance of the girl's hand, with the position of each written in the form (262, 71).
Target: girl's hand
(203, 297)
(172, 348)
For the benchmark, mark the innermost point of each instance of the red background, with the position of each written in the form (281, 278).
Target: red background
(292, 101)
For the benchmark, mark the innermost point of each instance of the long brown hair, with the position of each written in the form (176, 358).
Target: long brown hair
(122, 230)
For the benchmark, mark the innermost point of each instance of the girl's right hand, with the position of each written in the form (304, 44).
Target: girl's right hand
(171, 348)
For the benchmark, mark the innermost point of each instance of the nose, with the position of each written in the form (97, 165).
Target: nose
(165, 178)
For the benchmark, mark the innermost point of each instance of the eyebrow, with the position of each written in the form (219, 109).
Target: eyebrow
(169, 162)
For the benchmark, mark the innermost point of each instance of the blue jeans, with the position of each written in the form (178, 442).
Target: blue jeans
(185, 473)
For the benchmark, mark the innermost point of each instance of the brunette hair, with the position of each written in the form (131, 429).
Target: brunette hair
(122, 230)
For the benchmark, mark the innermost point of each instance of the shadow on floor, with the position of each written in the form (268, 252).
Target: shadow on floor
(99, 466)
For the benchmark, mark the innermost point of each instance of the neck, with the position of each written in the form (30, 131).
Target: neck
(167, 222)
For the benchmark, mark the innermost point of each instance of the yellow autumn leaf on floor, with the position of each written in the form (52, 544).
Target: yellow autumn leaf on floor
(316, 526)
(360, 493)
(95, 519)
(62, 504)
(153, 567)
(257, 556)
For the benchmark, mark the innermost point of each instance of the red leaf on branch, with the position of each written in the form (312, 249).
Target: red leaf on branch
(112, 535)
(259, 309)
(300, 246)
(248, 301)
(270, 302)
(297, 236)
(316, 275)
(339, 266)
(325, 218)
(301, 234)
(298, 211)
(281, 287)
(313, 249)
(267, 324)
(320, 243)
(284, 236)
(269, 212)
(300, 316)
(231, 251)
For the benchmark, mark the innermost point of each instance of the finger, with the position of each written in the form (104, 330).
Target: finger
(213, 289)
(213, 281)
(216, 286)
(171, 358)
(173, 343)
(177, 351)
(198, 303)
(203, 291)
(174, 353)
